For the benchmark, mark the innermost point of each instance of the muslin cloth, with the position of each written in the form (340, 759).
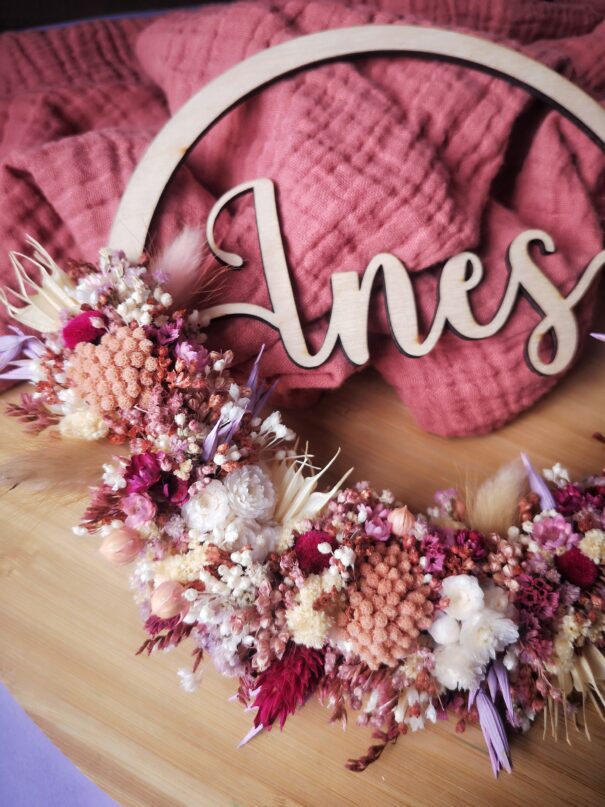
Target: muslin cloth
(385, 154)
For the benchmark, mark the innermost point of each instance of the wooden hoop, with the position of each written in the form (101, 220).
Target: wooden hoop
(170, 146)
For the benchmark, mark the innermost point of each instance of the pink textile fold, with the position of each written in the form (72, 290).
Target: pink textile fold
(415, 157)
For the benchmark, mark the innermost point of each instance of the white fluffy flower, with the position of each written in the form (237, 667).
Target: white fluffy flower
(445, 629)
(209, 509)
(486, 633)
(83, 424)
(593, 545)
(262, 538)
(455, 669)
(465, 595)
(251, 492)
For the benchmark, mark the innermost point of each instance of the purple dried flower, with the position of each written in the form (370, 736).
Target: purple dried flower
(497, 681)
(18, 344)
(493, 731)
(538, 485)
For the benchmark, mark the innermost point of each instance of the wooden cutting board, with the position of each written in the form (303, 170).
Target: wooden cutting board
(68, 632)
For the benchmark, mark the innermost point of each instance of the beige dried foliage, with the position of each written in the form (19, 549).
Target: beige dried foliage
(493, 505)
(54, 467)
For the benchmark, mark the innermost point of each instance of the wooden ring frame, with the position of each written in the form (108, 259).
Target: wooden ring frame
(170, 146)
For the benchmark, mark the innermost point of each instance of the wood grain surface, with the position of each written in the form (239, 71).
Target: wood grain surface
(68, 632)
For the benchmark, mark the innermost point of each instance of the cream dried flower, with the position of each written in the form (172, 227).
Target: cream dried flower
(464, 594)
(250, 492)
(593, 545)
(209, 509)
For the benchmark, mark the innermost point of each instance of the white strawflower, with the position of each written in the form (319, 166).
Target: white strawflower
(455, 669)
(465, 595)
(251, 492)
(486, 633)
(445, 629)
(209, 509)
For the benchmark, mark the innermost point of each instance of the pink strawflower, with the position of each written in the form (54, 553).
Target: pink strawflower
(81, 329)
(310, 559)
(553, 533)
(287, 684)
(142, 472)
(139, 509)
(144, 475)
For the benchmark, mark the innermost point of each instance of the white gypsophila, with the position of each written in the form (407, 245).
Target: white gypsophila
(455, 668)
(464, 594)
(112, 476)
(557, 474)
(445, 629)
(207, 510)
(272, 427)
(486, 633)
(345, 555)
(250, 492)
(238, 533)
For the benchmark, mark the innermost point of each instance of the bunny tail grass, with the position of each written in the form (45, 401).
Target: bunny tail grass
(492, 507)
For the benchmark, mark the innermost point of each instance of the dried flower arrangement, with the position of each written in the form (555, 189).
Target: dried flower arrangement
(490, 609)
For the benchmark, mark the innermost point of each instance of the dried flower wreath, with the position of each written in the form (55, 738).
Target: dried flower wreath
(491, 609)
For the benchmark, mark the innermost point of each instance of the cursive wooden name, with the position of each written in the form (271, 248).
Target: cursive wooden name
(351, 295)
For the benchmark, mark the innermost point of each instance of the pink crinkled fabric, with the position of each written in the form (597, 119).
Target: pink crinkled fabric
(414, 157)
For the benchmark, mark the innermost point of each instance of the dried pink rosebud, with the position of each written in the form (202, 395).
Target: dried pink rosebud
(121, 546)
(167, 600)
(401, 521)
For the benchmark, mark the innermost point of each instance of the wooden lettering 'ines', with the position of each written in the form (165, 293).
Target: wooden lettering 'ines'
(351, 295)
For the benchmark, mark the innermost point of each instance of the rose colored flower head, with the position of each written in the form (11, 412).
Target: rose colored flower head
(310, 559)
(553, 533)
(167, 600)
(84, 327)
(121, 546)
(575, 567)
(287, 684)
(142, 473)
